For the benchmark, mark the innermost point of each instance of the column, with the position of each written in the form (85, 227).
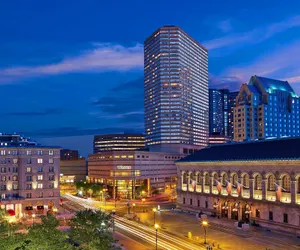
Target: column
(180, 181)
(202, 184)
(264, 189)
(251, 188)
(188, 182)
(211, 184)
(293, 191)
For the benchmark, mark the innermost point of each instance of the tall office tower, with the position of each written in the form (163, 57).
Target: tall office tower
(221, 103)
(176, 91)
(266, 108)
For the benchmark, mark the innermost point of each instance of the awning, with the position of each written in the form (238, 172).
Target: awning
(11, 212)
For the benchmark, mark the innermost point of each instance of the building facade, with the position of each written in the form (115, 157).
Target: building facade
(118, 142)
(217, 138)
(176, 91)
(221, 105)
(29, 178)
(266, 108)
(69, 154)
(73, 170)
(251, 182)
(125, 172)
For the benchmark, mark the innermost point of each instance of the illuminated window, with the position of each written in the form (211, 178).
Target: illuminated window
(51, 161)
(51, 152)
(40, 185)
(28, 170)
(40, 177)
(40, 160)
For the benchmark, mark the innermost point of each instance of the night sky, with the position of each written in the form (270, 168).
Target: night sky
(71, 69)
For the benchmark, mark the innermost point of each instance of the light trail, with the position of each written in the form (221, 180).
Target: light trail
(165, 241)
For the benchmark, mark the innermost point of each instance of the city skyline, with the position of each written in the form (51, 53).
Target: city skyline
(43, 58)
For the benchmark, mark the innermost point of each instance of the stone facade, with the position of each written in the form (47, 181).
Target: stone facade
(202, 186)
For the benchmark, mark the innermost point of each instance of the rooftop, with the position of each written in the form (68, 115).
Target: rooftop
(283, 149)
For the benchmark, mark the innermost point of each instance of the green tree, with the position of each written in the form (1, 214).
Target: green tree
(46, 236)
(3, 221)
(92, 230)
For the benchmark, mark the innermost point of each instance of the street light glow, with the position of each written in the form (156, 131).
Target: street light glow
(154, 210)
(204, 223)
(156, 226)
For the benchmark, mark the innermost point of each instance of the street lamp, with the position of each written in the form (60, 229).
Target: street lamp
(33, 216)
(133, 208)
(154, 212)
(204, 225)
(143, 200)
(156, 226)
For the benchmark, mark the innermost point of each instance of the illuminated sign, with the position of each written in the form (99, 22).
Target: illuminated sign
(123, 167)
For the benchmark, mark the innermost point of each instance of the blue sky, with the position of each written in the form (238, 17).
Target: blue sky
(71, 69)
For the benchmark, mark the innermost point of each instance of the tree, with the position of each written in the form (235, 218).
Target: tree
(92, 230)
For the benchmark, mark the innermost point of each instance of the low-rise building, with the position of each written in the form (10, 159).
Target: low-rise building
(124, 172)
(29, 177)
(257, 182)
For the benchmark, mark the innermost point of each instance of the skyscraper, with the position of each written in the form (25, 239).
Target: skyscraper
(221, 103)
(176, 91)
(266, 108)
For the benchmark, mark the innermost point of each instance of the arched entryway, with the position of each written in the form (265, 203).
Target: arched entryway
(224, 211)
(235, 211)
(246, 211)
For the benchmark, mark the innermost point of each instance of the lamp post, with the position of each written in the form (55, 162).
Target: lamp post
(133, 208)
(204, 225)
(156, 226)
(33, 216)
(143, 200)
(154, 213)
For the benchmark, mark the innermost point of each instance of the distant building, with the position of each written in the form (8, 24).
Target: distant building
(250, 181)
(118, 142)
(266, 108)
(72, 167)
(176, 92)
(124, 172)
(221, 104)
(29, 176)
(68, 154)
(217, 138)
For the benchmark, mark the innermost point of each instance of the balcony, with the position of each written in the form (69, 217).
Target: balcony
(184, 187)
(224, 192)
(198, 188)
(286, 197)
(271, 196)
(234, 192)
(246, 193)
(257, 194)
(206, 189)
(215, 190)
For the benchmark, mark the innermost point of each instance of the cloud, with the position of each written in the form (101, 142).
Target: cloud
(225, 26)
(283, 63)
(102, 57)
(254, 36)
(232, 83)
(124, 103)
(50, 111)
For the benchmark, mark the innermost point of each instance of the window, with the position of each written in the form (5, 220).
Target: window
(258, 182)
(15, 178)
(257, 213)
(40, 195)
(40, 177)
(51, 185)
(39, 152)
(270, 215)
(28, 186)
(40, 185)
(3, 187)
(29, 161)
(198, 203)
(3, 170)
(15, 186)
(28, 152)
(40, 170)
(29, 178)
(183, 200)
(40, 160)
(206, 204)
(285, 218)
(28, 195)
(2, 152)
(271, 183)
(15, 161)
(51, 152)
(3, 178)
(51, 169)
(28, 170)
(51, 178)
(51, 161)
(191, 202)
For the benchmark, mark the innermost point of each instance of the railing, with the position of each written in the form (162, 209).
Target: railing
(206, 189)
(234, 192)
(184, 187)
(198, 189)
(246, 193)
(257, 194)
(224, 191)
(286, 197)
(271, 196)
(215, 190)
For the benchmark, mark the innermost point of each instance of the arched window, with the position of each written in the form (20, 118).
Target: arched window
(192, 177)
(198, 179)
(234, 179)
(216, 178)
(224, 179)
(246, 180)
(184, 178)
(286, 183)
(271, 183)
(257, 182)
(206, 181)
